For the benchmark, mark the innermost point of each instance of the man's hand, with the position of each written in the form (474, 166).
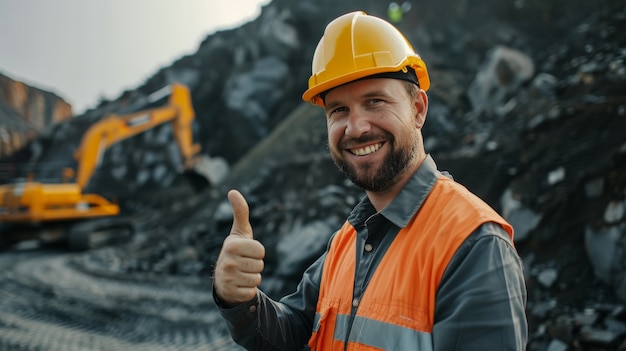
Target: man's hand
(238, 268)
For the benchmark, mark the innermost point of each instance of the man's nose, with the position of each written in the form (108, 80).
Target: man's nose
(357, 125)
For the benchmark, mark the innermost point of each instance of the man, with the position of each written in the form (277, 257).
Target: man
(420, 263)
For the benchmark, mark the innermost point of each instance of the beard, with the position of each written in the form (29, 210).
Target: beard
(367, 177)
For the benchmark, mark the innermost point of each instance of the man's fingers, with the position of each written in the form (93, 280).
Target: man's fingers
(239, 266)
(249, 281)
(251, 265)
(241, 215)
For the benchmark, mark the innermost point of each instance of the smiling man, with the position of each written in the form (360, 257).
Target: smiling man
(374, 132)
(421, 263)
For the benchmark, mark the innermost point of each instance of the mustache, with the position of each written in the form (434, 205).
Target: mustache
(347, 142)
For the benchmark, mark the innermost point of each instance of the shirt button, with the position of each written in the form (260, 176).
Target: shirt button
(355, 302)
(252, 309)
(369, 247)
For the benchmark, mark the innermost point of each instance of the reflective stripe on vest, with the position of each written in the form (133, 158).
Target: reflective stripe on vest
(396, 311)
(384, 336)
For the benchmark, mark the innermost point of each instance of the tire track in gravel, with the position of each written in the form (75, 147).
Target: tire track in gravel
(48, 303)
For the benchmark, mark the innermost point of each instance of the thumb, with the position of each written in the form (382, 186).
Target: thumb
(241, 215)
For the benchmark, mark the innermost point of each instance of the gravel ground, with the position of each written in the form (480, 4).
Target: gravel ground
(48, 303)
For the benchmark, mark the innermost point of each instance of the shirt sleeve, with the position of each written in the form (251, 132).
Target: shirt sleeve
(481, 299)
(266, 324)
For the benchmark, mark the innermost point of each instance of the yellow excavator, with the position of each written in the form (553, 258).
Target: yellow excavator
(33, 203)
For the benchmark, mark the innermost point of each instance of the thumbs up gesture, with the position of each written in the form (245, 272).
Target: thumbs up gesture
(239, 265)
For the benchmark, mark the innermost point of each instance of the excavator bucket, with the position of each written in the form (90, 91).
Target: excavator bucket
(207, 171)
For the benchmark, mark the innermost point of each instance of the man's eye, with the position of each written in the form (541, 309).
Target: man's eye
(338, 110)
(335, 113)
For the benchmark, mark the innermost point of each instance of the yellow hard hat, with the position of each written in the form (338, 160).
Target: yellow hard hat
(357, 45)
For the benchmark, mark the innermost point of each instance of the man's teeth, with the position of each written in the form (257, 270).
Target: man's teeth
(367, 150)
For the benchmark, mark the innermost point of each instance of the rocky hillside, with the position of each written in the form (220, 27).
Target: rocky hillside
(25, 113)
(528, 110)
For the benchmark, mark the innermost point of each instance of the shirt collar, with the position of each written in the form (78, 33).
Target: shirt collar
(404, 206)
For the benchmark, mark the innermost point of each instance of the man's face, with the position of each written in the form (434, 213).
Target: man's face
(374, 131)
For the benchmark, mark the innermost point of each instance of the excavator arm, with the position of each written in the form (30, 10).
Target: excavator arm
(113, 129)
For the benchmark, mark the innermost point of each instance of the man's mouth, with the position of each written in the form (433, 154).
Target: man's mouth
(366, 150)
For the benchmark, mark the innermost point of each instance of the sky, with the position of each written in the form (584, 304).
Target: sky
(87, 50)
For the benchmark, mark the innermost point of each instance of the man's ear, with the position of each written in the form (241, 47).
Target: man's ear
(421, 108)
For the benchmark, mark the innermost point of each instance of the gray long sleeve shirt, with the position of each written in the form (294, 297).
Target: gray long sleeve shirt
(480, 301)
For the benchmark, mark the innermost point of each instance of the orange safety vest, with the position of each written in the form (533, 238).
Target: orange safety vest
(396, 311)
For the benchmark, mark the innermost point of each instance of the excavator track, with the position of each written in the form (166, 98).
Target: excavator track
(97, 233)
